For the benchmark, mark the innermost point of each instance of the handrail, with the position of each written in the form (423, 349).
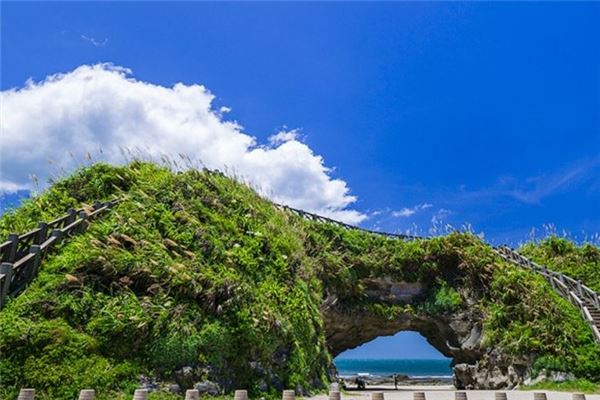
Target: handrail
(21, 255)
(326, 220)
(572, 290)
(16, 273)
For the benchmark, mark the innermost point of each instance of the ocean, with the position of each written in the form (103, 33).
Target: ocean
(386, 367)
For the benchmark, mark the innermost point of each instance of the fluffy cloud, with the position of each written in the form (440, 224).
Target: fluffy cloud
(407, 212)
(101, 107)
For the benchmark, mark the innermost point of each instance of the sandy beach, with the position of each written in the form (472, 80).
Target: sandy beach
(446, 393)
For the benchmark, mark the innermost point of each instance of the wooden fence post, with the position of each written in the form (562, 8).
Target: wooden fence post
(140, 394)
(334, 395)
(418, 395)
(35, 249)
(71, 216)
(83, 226)
(12, 253)
(193, 394)
(539, 396)
(240, 395)
(41, 237)
(87, 394)
(7, 270)
(58, 234)
(26, 394)
(291, 395)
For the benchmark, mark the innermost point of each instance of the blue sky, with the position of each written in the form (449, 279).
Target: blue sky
(480, 113)
(404, 345)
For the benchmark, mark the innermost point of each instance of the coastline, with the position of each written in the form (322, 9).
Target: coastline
(377, 372)
(388, 380)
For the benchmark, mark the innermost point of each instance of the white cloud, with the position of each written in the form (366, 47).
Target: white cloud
(103, 107)
(11, 187)
(407, 212)
(283, 136)
(94, 41)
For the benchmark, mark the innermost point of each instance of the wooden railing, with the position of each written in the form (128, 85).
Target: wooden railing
(319, 218)
(21, 255)
(573, 290)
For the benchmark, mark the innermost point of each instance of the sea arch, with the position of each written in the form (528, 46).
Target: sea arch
(457, 334)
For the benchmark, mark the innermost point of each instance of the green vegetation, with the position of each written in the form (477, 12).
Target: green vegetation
(577, 385)
(562, 255)
(195, 269)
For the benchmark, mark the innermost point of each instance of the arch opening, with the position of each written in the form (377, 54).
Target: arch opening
(406, 354)
(455, 335)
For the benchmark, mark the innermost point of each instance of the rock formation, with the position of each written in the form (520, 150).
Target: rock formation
(457, 334)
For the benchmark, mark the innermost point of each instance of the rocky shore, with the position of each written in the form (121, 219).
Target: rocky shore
(349, 382)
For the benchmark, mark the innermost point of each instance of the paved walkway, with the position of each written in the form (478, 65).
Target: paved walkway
(447, 393)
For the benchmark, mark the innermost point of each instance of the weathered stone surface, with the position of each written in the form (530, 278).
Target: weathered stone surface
(148, 383)
(186, 376)
(208, 388)
(493, 371)
(457, 335)
(174, 388)
(549, 376)
(386, 289)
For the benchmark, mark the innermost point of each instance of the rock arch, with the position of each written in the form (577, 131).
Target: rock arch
(457, 335)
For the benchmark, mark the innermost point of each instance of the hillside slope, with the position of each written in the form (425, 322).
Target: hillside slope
(562, 255)
(195, 270)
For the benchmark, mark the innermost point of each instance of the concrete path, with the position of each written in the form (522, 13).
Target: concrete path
(447, 393)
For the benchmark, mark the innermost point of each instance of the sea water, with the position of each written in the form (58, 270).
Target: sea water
(385, 367)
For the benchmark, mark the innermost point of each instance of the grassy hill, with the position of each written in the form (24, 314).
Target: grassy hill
(196, 270)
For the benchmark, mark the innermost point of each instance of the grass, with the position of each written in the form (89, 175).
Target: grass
(577, 385)
(196, 270)
(560, 254)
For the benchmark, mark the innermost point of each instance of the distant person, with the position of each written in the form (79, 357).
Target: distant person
(396, 381)
(342, 384)
(360, 384)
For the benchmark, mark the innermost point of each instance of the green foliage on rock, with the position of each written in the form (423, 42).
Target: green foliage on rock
(195, 269)
(559, 254)
(526, 317)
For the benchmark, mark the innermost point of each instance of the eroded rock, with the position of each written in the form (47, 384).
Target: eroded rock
(208, 388)
(456, 334)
